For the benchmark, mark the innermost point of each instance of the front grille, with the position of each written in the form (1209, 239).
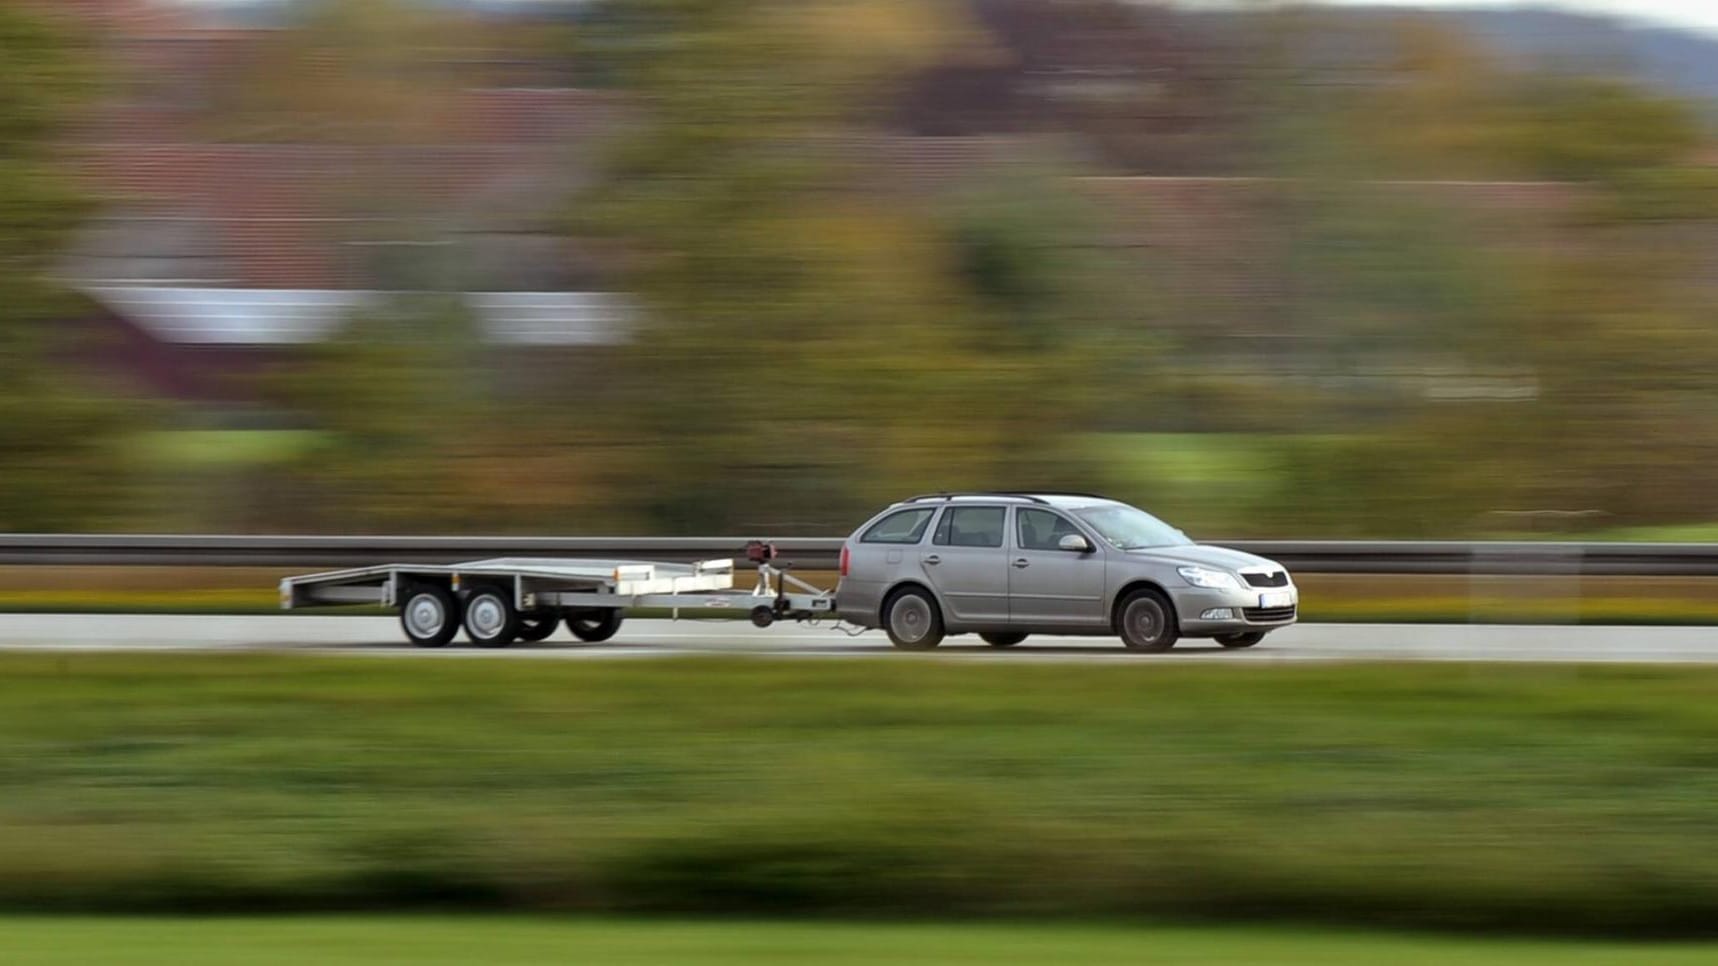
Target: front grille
(1277, 579)
(1268, 615)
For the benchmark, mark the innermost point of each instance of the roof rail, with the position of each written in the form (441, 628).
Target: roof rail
(949, 495)
(1036, 496)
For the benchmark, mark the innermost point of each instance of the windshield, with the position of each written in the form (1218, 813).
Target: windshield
(1130, 528)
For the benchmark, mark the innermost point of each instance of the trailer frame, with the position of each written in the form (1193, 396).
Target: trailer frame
(566, 588)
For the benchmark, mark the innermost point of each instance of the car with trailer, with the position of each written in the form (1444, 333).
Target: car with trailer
(1001, 565)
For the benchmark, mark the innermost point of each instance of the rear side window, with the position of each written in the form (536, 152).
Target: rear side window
(971, 526)
(907, 526)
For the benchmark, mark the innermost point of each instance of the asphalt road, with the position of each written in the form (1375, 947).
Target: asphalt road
(647, 638)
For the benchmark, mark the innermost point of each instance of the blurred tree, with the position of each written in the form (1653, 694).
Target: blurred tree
(1445, 107)
(1574, 128)
(815, 339)
(61, 460)
(1139, 85)
(419, 430)
(1415, 319)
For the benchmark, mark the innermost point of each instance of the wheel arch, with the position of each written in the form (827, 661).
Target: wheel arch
(1139, 584)
(908, 583)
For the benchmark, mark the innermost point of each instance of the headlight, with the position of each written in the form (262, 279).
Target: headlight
(1214, 579)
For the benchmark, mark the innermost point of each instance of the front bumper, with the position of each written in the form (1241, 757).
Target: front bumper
(1246, 606)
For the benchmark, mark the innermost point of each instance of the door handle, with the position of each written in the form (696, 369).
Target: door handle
(1022, 563)
(933, 559)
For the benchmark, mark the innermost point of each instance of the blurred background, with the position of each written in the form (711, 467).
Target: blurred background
(759, 267)
(742, 266)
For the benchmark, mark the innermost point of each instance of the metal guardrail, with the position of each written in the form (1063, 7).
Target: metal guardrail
(820, 553)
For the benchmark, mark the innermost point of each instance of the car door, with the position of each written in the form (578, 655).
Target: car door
(967, 563)
(1049, 586)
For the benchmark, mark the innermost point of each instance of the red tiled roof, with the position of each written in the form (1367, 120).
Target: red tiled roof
(282, 209)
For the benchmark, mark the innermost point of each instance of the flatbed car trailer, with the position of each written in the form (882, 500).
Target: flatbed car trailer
(525, 598)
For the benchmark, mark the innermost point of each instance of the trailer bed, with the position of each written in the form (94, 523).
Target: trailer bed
(629, 579)
(581, 590)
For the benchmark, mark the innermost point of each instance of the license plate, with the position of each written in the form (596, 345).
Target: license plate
(1280, 598)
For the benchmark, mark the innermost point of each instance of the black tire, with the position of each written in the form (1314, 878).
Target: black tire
(911, 618)
(1002, 640)
(1240, 640)
(429, 615)
(595, 625)
(490, 620)
(1146, 621)
(537, 627)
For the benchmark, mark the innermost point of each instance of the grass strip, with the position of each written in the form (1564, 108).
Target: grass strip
(1517, 797)
(504, 941)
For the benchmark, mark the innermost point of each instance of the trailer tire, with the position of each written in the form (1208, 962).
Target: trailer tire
(430, 615)
(538, 626)
(594, 625)
(491, 620)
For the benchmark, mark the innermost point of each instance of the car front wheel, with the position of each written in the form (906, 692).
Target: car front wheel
(1146, 622)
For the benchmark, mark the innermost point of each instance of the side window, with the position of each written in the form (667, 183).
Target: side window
(971, 526)
(1041, 529)
(907, 526)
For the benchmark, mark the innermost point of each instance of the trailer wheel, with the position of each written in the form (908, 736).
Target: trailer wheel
(490, 617)
(538, 626)
(430, 615)
(594, 625)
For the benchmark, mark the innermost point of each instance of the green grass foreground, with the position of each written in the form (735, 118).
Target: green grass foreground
(1526, 797)
(496, 941)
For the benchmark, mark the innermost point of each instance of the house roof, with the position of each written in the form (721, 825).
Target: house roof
(281, 317)
(285, 215)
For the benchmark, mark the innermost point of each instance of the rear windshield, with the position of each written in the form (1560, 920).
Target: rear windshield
(907, 526)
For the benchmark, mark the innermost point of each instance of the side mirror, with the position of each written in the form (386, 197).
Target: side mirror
(1074, 542)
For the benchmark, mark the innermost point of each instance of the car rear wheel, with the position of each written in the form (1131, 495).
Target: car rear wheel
(429, 615)
(1002, 640)
(1247, 639)
(912, 620)
(1146, 621)
(594, 626)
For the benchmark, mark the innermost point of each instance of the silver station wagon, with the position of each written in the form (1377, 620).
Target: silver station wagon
(1006, 565)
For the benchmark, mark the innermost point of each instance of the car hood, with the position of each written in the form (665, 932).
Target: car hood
(1206, 556)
